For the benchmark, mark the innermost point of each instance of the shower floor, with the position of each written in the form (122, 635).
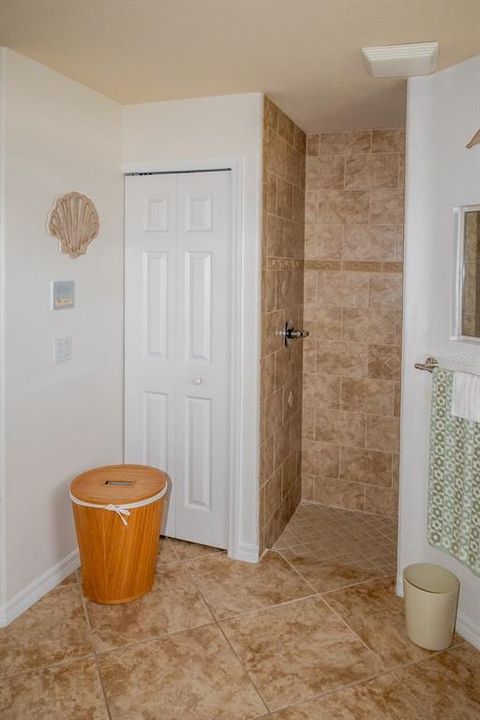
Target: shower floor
(333, 548)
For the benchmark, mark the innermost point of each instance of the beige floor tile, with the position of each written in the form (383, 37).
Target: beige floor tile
(383, 698)
(166, 553)
(355, 703)
(190, 551)
(448, 684)
(72, 578)
(446, 687)
(65, 692)
(189, 676)
(330, 574)
(231, 586)
(53, 630)
(298, 650)
(173, 604)
(375, 613)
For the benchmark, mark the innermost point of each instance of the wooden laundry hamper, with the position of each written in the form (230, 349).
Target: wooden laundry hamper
(118, 512)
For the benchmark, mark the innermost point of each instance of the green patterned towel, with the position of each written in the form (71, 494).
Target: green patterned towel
(454, 478)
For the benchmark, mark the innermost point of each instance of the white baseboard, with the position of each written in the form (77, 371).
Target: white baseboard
(465, 627)
(399, 585)
(468, 630)
(38, 588)
(248, 552)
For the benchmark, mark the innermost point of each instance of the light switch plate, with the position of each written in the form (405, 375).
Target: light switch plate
(62, 349)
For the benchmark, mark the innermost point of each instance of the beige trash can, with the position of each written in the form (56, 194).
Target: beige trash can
(431, 598)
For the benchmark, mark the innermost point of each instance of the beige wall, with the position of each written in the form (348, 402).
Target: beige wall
(282, 299)
(353, 289)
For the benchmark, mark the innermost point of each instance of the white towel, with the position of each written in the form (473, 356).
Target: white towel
(466, 396)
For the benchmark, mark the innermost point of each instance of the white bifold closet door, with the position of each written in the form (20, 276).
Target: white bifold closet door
(177, 341)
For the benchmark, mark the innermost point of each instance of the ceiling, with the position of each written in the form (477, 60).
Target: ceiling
(305, 54)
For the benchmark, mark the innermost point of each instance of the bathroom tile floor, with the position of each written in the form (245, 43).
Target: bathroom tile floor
(314, 631)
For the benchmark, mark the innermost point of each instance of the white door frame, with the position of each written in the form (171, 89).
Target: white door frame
(244, 364)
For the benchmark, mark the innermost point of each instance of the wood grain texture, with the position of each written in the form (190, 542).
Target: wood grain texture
(141, 482)
(118, 561)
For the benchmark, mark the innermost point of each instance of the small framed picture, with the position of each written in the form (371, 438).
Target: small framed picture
(63, 295)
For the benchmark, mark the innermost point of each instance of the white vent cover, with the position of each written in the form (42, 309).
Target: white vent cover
(402, 60)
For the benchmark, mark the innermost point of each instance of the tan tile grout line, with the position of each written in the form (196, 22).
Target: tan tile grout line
(361, 513)
(364, 680)
(370, 678)
(320, 595)
(244, 669)
(149, 640)
(103, 688)
(343, 587)
(191, 575)
(218, 624)
(52, 666)
(342, 619)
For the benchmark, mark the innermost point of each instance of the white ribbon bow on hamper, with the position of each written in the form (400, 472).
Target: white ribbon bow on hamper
(121, 512)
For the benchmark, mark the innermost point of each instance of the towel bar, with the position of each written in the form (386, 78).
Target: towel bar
(429, 364)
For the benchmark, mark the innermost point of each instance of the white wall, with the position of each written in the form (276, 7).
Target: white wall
(57, 420)
(58, 136)
(443, 114)
(171, 134)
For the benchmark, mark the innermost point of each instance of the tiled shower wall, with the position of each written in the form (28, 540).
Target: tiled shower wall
(282, 300)
(353, 302)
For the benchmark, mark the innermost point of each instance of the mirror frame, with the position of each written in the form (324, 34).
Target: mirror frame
(459, 274)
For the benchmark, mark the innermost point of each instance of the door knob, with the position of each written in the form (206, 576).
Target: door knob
(197, 380)
(289, 333)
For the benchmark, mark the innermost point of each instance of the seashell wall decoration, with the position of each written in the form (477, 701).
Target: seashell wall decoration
(474, 141)
(74, 221)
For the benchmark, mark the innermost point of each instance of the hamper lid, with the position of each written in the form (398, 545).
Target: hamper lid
(117, 484)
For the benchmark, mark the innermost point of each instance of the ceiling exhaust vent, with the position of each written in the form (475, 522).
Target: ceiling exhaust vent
(402, 60)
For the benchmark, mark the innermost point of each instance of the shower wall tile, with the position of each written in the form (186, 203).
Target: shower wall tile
(381, 500)
(341, 428)
(312, 145)
(341, 358)
(324, 321)
(324, 242)
(353, 310)
(384, 361)
(338, 493)
(320, 458)
(283, 211)
(307, 486)
(385, 170)
(397, 398)
(385, 290)
(383, 433)
(371, 395)
(321, 390)
(366, 466)
(386, 206)
(388, 140)
(330, 172)
(369, 242)
(358, 142)
(358, 172)
(370, 325)
(343, 289)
